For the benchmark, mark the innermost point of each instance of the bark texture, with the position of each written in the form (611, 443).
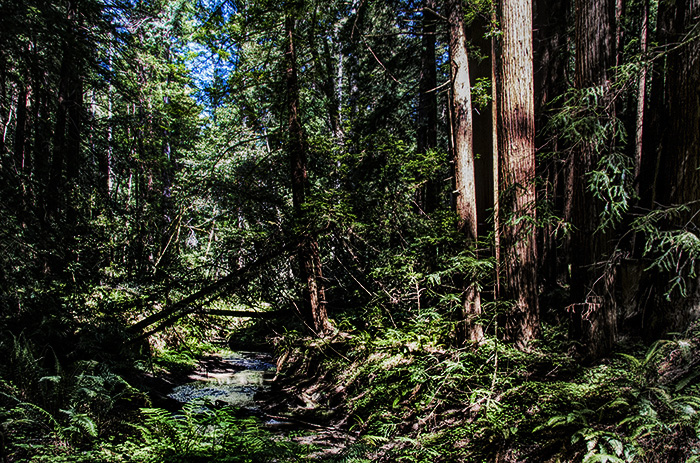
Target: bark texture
(462, 138)
(426, 140)
(594, 318)
(673, 153)
(517, 197)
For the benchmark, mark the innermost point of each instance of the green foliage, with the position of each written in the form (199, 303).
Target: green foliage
(86, 413)
(174, 361)
(646, 410)
(585, 117)
(151, 162)
(51, 410)
(675, 251)
(481, 96)
(412, 398)
(611, 183)
(204, 433)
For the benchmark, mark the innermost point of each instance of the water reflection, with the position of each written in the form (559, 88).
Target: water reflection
(230, 380)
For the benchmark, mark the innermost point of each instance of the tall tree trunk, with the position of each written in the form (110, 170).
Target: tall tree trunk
(680, 143)
(41, 150)
(495, 158)
(482, 125)
(308, 254)
(329, 71)
(465, 187)
(641, 97)
(516, 139)
(333, 86)
(427, 194)
(678, 160)
(550, 43)
(20, 142)
(594, 318)
(55, 185)
(105, 157)
(66, 140)
(75, 129)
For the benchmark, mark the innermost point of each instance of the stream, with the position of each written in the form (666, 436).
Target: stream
(232, 379)
(241, 379)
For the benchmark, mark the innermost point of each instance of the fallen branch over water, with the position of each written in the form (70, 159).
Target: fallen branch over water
(194, 302)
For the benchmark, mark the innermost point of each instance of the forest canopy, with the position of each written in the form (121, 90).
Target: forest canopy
(462, 180)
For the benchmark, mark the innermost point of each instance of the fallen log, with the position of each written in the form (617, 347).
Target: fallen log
(242, 313)
(211, 292)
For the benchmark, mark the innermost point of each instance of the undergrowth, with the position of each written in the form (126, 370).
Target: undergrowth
(81, 411)
(412, 398)
(403, 391)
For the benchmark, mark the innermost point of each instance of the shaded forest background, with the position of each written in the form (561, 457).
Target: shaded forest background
(488, 210)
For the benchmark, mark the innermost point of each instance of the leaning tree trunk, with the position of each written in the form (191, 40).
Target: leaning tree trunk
(308, 254)
(516, 141)
(594, 319)
(465, 187)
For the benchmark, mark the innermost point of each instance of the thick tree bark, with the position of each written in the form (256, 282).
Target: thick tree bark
(680, 143)
(550, 43)
(482, 126)
(594, 318)
(427, 196)
(309, 255)
(516, 139)
(465, 187)
(595, 42)
(676, 155)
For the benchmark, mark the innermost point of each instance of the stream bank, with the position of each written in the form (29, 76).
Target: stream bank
(248, 383)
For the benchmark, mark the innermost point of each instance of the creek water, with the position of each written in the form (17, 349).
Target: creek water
(228, 379)
(236, 379)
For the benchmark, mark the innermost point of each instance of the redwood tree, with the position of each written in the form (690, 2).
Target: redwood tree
(592, 305)
(308, 253)
(679, 182)
(516, 142)
(669, 170)
(465, 187)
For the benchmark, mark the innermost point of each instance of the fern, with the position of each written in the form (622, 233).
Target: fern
(80, 424)
(200, 431)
